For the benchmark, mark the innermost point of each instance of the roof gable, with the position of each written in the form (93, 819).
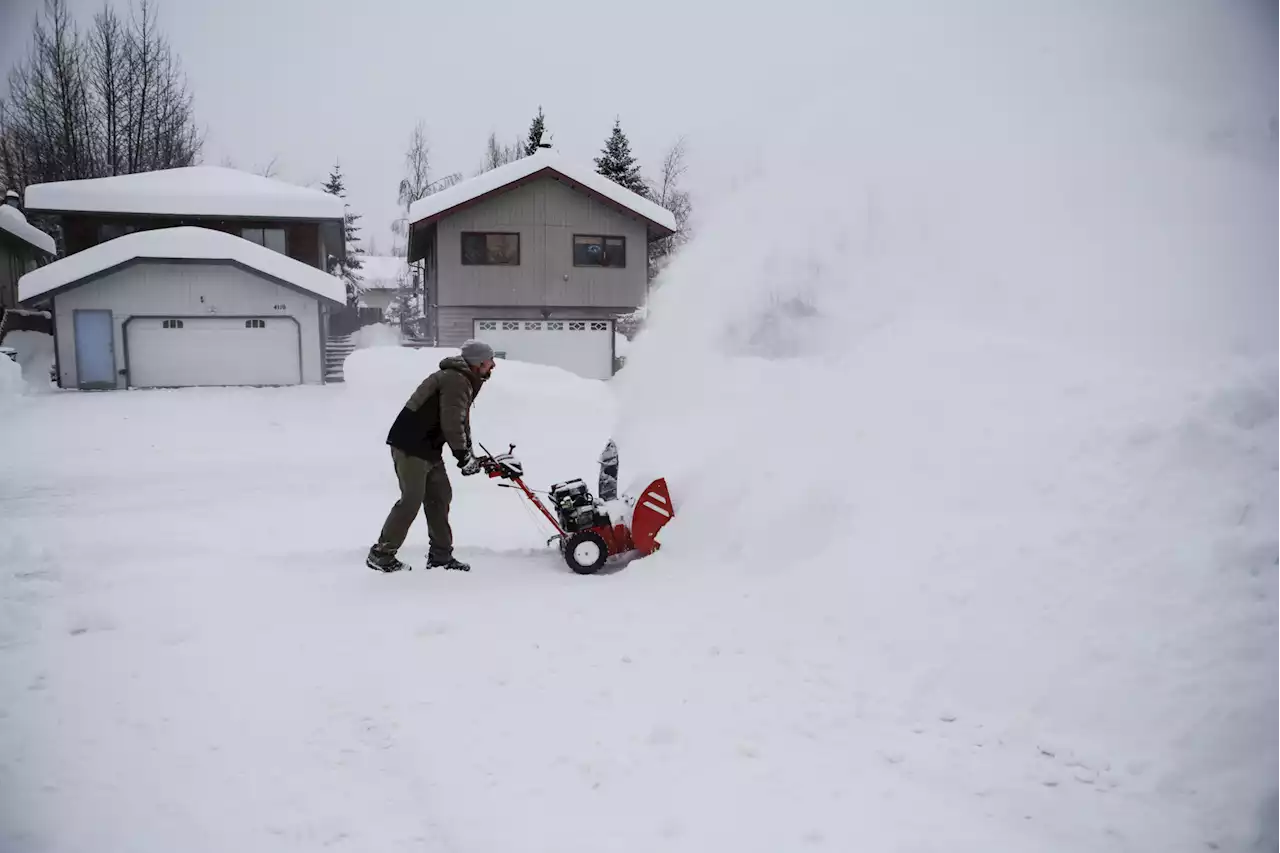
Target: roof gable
(187, 191)
(544, 163)
(183, 244)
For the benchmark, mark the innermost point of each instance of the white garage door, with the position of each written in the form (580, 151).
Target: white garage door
(584, 347)
(168, 353)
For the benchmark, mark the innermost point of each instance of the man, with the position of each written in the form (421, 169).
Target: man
(437, 413)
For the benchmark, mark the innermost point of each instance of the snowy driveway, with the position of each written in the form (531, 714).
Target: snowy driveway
(192, 656)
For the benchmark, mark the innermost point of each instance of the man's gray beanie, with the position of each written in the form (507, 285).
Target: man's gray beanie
(475, 352)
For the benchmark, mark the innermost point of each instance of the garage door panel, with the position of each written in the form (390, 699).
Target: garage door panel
(582, 346)
(176, 352)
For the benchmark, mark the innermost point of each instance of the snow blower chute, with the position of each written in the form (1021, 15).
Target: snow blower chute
(590, 530)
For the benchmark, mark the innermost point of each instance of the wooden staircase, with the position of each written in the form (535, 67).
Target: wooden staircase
(336, 350)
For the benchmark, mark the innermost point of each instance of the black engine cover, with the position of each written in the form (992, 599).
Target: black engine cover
(575, 506)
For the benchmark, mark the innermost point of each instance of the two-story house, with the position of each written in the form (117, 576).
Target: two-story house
(538, 258)
(191, 276)
(23, 247)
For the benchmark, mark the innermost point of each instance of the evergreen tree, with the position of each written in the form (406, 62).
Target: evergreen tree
(616, 163)
(347, 271)
(536, 129)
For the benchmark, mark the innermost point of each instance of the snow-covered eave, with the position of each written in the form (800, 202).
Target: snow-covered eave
(430, 209)
(190, 191)
(183, 244)
(15, 224)
(106, 210)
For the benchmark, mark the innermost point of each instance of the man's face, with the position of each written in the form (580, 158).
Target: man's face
(484, 368)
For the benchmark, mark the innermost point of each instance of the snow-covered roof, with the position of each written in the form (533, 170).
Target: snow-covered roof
(14, 222)
(435, 205)
(382, 272)
(189, 191)
(185, 242)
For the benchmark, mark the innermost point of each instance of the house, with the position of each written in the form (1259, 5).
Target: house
(23, 247)
(191, 276)
(538, 258)
(381, 279)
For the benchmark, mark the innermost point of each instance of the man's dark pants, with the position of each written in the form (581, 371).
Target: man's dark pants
(423, 484)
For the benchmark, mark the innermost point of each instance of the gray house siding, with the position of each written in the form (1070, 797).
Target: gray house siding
(456, 324)
(191, 289)
(546, 214)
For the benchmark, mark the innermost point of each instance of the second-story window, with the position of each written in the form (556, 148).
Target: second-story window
(272, 238)
(599, 251)
(490, 249)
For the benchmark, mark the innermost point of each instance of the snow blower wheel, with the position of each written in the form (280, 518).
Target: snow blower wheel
(585, 552)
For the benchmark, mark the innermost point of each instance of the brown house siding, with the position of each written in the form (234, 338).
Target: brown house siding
(302, 238)
(302, 241)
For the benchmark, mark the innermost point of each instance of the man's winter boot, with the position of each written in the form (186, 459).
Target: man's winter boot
(450, 564)
(381, 561)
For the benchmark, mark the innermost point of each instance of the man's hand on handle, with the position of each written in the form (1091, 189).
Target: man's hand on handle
(469, 464)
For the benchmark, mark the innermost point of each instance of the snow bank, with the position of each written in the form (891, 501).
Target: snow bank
(559, 421)
(11, 384)
(1000, 401)
(35, 359)
(377, 335)
(181, 242)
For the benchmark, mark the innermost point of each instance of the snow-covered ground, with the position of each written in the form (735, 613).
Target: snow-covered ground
(192, 655)
(973, 444)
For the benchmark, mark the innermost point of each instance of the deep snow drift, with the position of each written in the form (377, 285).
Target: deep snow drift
(995, 401)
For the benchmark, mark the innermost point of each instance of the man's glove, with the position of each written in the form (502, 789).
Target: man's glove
(469, 464)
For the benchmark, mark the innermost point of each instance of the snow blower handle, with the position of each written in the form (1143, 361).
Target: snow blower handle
(505, 466)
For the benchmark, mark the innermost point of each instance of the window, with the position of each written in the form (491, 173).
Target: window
(508, 326)
(112, 230)
(255, 324)
(172, 324)
(577, 327)
(488, 325)
(599, 327)
(592, 251)
(490, 249)
(555, 327)
(533, 327)
(272, 238)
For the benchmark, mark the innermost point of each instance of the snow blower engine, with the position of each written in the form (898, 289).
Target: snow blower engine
(590, 530)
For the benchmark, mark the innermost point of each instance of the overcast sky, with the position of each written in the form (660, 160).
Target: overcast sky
(311, 81)
(315, 80)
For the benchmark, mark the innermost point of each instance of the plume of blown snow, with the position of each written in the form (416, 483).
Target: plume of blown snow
(985, 345)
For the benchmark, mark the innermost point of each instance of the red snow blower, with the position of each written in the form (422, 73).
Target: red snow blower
(590, 530)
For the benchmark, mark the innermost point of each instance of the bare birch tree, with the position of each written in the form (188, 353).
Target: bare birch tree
(667, 192)
(416, 184)
(110, 101)
(497, 154)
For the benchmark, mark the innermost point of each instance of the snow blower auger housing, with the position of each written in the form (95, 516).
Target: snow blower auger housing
(588, 530)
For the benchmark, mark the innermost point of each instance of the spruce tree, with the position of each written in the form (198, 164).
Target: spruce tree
(616, 163)
(347, 271)
(536, 129)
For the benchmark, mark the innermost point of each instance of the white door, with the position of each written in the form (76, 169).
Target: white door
(172, 352)
(584, 347)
